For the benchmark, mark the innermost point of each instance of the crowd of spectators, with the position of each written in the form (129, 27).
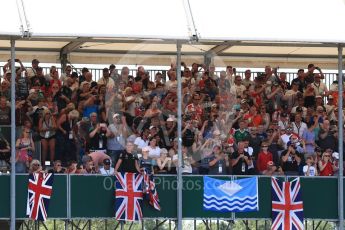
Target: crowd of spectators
(231, 124)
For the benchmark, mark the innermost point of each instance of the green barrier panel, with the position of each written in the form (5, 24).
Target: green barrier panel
(58, 201)
(320, 197)
(167, 192)
(93, 197)
(5, 196)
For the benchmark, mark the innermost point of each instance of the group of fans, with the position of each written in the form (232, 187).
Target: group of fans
(231, 124)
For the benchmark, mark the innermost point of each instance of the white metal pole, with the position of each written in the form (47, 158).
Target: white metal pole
(179, 134)
(340, 138)
(13, 137)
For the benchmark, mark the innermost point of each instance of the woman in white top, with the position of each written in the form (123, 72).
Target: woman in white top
(154, 150)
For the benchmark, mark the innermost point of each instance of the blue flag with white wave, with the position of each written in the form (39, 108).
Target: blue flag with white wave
(231, 196)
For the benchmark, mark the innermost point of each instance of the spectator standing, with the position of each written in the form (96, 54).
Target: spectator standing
(218, 162)
(127, 161)
(309, 169)
(263, 158)
(291, 160)
(116, 137)
(326, 166)
(47, 129)
(240, 161)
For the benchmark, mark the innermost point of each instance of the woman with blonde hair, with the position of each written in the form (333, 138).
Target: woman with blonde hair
(25, 147)
(47, 130)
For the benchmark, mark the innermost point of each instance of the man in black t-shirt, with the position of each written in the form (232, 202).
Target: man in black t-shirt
(291, 160)
(127, 161)
(240, 161)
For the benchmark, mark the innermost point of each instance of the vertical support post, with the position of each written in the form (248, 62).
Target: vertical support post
(340, 138)
(66, 225)
(68, 179)
(63, 61)
(179, 134)
(13, 136)
(208, 59)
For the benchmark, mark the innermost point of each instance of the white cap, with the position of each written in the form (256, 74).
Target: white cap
(335, 155)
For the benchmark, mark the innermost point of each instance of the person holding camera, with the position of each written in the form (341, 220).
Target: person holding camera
(291, 160)
(97, 135)
(309, 76)
(240, 161)
(326, 166)
(218, 162)
(89, 167)
(319, 87)
(310, 168)
(327, 136)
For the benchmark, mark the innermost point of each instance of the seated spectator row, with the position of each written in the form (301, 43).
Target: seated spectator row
(230, 125)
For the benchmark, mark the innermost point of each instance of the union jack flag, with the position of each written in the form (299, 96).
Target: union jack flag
(128, 194)
(40, 189)
(287, 205)
(150, 191)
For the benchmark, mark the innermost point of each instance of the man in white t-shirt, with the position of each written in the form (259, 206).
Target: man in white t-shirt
(237, 89)
(320, 88)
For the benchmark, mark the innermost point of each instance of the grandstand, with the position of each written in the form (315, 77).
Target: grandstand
(187, 120)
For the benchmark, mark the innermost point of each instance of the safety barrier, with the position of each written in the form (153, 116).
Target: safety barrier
(92, 196)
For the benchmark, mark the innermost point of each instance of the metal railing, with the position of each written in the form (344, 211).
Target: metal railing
(97, 74)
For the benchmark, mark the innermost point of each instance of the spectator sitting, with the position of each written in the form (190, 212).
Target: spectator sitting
(35, 167)
(154, 150)
(72, 167)
(89, 168)
(107, 169)
(272, 170)
(145, 162)
(163, 162)
(57, 169)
